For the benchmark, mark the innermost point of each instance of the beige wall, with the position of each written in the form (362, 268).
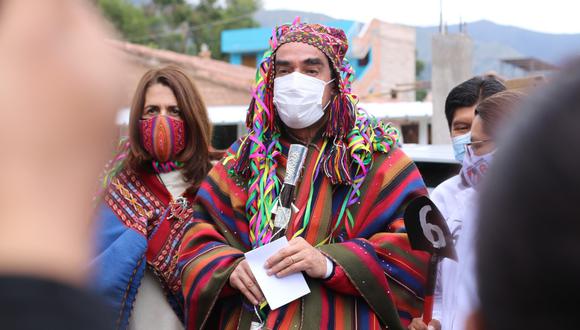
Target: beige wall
(451, 65)
(392, 63)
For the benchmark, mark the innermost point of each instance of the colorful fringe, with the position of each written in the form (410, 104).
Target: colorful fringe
(113, 167)
(353, 137)
(166, 167)
(378, 280)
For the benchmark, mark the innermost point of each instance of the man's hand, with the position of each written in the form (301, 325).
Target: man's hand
(299, 256)
(418, 324)
(243, 280)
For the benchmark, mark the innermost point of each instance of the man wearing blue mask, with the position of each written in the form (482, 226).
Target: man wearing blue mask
(460, 107)
(459, 110)
(346, 233)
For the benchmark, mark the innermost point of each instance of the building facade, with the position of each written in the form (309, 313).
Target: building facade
(382, 55)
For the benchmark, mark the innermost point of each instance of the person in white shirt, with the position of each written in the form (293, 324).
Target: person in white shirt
(458, 286)
(459, 110)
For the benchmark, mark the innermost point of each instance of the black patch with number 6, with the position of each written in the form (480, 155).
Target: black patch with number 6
(427, 229)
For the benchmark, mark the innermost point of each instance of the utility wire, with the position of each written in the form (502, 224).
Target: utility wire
(192, 28)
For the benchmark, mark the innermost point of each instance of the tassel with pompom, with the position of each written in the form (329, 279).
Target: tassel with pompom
(337, 163)
(341, 117)
(113, 167)
(341, 120)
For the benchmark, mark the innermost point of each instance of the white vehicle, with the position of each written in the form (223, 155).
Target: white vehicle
(435, 162)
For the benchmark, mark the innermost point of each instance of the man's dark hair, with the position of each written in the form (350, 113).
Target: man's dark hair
(471, 92)
(528, 237)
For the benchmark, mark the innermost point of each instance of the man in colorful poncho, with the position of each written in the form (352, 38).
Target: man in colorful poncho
(347, 236)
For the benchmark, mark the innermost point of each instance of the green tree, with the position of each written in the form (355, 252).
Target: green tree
(129, 20)
(419, 67)
(421, 93)
(210, 19)
(179, 25)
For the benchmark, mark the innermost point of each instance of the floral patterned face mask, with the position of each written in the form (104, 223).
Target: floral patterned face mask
(474, 167)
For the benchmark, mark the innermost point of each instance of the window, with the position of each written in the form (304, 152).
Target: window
(224, 136)
(365, 60)
(249, 60)
(410, 132)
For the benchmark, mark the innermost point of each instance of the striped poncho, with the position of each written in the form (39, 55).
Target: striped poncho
(377, 280)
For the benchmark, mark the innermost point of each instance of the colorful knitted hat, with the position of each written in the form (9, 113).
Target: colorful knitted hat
(332, 42)
(350, 137)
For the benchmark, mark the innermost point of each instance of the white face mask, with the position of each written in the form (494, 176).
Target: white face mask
(298, 99)
(475, 167)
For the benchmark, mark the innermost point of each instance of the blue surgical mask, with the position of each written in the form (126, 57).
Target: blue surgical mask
(459, 143)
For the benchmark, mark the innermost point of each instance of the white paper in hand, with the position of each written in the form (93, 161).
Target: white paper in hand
(278, 291)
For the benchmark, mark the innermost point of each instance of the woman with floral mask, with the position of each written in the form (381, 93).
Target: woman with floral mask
(150, 188)
(489, 117)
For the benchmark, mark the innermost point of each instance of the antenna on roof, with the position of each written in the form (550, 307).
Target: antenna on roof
(440, 16)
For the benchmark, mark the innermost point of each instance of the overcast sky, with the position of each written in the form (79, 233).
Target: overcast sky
(553, 16)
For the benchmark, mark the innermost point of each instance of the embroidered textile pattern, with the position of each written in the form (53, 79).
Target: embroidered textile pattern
(138, 208)
(163, 137)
